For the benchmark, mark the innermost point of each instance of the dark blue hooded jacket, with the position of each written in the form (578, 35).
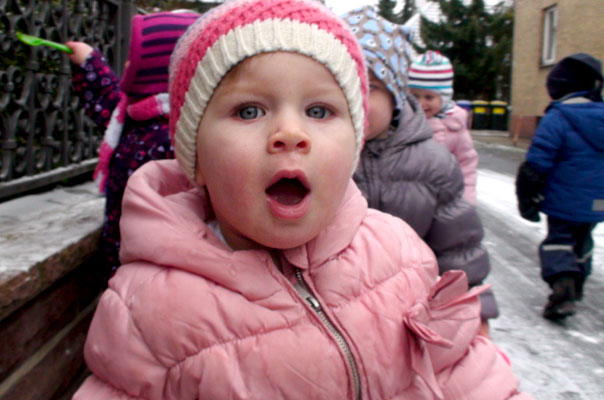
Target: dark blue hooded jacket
(568, 149)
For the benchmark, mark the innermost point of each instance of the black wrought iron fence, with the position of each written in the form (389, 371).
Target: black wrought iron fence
(44, 135)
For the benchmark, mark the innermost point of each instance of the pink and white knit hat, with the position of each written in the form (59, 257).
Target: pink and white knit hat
(240, 29)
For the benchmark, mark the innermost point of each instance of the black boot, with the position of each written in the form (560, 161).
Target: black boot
(561, 303)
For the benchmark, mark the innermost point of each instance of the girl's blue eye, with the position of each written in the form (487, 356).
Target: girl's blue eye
(318, 112)
(250, 112)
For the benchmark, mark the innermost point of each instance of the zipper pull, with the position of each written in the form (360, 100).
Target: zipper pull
(314, 303)
(307, 295)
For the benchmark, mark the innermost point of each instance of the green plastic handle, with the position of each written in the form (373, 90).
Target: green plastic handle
(36, 41)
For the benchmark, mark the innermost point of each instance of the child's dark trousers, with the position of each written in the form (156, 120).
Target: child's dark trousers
(567, 249)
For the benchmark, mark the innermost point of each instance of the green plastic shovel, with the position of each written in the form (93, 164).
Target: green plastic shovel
(36, 41)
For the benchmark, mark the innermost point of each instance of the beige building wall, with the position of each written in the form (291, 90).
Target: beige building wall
(580, 28)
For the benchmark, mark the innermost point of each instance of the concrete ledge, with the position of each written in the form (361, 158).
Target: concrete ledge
(18, 289)
(50, 279)
(43, 237)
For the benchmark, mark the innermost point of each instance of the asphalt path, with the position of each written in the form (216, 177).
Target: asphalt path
(553, 360)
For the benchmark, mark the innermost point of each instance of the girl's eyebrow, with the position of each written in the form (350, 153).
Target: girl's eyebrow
(251, 86)
(237, 86)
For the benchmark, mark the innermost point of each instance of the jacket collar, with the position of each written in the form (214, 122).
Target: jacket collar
(336, 237)
(160, 200)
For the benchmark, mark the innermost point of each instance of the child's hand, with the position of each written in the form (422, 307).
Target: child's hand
(80, 50)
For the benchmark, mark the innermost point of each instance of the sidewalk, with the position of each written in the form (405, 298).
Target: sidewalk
(502, 138)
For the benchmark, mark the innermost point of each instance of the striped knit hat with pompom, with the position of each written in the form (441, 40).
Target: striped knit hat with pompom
(433, 71)
(144, 83)
(239, 29)
(152, 39)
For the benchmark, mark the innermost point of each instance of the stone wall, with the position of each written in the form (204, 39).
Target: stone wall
(50, 280)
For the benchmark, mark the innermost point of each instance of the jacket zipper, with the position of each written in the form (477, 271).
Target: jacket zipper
(305, 292)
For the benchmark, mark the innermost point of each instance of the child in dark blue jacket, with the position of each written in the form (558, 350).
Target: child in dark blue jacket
(563, 177)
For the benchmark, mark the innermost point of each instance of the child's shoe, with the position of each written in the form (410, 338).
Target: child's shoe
(579, 282)
(561, 303)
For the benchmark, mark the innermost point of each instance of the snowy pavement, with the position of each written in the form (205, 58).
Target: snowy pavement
(555, 361)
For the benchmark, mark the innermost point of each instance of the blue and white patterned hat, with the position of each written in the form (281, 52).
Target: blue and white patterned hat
(386, 49)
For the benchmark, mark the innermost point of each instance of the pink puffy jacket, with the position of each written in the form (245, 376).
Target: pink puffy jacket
(361, 316)
(453, 133)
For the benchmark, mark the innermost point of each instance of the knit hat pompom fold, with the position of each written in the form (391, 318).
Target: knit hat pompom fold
(239, 29)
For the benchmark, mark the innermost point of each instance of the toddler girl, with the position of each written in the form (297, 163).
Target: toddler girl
(252, 266)
(431, 82)
(133, 112)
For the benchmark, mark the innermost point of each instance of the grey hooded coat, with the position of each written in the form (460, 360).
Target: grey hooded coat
(411, 176)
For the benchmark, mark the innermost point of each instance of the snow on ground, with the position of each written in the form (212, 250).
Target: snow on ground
(553, 360)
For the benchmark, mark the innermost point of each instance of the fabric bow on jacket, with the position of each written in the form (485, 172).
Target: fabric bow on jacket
(427, 322)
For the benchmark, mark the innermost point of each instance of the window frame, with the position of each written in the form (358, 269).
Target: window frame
(548, 39)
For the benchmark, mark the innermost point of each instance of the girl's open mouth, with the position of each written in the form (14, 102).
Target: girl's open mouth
(287, 191)
(288, 196)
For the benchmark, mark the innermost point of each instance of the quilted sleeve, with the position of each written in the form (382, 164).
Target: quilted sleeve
(95, 389)
(452, 131)
(456, 233)
(118, 356)
(483, 373)
(547, 142)
(468, 161)
(453, 361)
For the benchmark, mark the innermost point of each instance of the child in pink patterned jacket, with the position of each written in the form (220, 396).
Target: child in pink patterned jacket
(252, 266)
(133, 111)
(431, 82)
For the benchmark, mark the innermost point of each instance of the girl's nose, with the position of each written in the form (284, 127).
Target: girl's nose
(288, 139)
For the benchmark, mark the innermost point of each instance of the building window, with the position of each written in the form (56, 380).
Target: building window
(550, 20)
